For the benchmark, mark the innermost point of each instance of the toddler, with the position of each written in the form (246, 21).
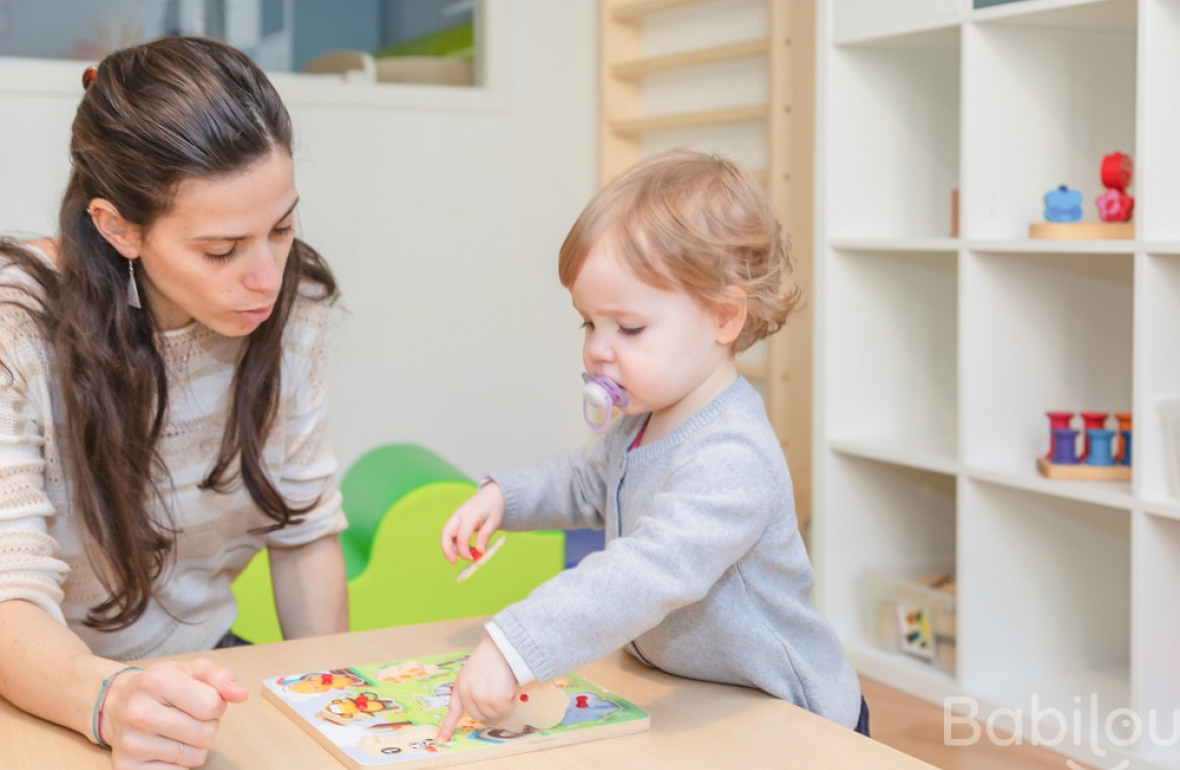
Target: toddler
(674, 267)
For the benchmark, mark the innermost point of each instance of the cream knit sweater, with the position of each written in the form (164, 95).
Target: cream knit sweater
(42, 557)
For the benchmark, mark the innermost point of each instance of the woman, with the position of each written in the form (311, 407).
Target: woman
(162, 409)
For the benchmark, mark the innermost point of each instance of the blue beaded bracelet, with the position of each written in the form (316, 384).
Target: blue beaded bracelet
(100, 701)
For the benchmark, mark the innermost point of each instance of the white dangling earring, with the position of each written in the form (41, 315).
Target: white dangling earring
(132, 288)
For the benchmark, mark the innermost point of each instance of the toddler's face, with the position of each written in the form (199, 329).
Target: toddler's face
(661, 346)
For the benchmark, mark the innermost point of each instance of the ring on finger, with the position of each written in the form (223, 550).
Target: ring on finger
(179, 756)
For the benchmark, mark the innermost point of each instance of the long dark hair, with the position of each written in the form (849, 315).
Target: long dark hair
(154, 115)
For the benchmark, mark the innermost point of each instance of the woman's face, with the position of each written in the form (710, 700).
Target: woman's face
(218, 255)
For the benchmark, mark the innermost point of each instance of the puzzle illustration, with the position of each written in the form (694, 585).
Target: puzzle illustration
(386, 714)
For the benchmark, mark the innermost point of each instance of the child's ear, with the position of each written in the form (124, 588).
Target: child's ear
(731, 316)
(117, 231)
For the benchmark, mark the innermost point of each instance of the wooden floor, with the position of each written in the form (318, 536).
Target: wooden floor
(915, 727)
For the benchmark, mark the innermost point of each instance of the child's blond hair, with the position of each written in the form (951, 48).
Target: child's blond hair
(696, 222)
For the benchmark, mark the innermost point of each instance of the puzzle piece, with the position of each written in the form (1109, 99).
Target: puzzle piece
(588, 707)
(540, 705)
(479, 560)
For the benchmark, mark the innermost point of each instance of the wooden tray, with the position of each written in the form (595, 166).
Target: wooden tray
(1083, 472)
(1082, 231)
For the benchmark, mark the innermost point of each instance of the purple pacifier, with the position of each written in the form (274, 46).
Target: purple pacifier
(599, 395)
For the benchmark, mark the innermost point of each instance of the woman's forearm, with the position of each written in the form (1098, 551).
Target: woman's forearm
(46, 670)
(310, 587)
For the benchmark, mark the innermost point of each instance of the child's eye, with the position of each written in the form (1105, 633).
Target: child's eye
(630, 331)
(285, 230)
(588, 326)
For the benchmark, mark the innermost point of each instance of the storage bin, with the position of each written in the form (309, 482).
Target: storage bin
(911, 610)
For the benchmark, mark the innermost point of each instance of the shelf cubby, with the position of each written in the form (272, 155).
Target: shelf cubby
(897, 183)
(858, 20)
(1157, 630)
(900, 410)
(1156, 181)
(1042, 332)
(896, 516)
(1053, 92)
(1157, 424)
(1044, 595)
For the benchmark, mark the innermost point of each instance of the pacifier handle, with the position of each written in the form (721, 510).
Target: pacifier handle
(602, 393)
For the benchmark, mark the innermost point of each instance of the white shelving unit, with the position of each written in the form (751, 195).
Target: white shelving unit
(938, 354)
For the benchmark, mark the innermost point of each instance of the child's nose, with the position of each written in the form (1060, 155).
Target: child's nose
(598, 350)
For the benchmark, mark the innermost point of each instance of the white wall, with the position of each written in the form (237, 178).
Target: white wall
(443, 228)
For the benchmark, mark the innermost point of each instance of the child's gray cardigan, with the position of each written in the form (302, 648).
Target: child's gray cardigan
(704, 573)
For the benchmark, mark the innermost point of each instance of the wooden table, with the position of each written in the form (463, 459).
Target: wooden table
(693, 724)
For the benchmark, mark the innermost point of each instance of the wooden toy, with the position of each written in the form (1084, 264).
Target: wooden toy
(922, 625)
(539, 706)
(916, 636)
(1081, 230)
(1115, 207)
(479, 560)
(385, 714)
(1064, 446)
(1124, 454)
(1097, 461)
(1063, 205)
(1091, 421)
(1057, 421)
(1083, 471)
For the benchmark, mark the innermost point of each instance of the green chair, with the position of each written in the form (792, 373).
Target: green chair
(397, 498)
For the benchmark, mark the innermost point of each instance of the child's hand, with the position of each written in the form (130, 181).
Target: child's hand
(485, 689)
(481, 514)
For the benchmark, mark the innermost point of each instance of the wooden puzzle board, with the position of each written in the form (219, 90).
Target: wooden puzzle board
(387, 714)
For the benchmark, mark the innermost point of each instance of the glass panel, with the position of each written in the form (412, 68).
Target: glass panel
(418, 41)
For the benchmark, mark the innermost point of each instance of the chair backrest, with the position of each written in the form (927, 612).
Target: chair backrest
(397, 497)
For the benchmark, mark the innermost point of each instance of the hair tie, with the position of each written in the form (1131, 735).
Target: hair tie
(88, 75)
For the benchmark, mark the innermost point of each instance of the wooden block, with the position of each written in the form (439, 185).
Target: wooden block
(1082, 231)
(1083, 472)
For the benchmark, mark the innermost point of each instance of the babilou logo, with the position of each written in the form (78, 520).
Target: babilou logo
(1085, 726)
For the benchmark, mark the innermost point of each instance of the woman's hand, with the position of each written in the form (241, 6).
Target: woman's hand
(166, 715)
(485, 689)
(480, 515)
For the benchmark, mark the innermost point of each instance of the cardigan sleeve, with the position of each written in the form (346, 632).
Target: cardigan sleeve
(565, 492)
(687, 534)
